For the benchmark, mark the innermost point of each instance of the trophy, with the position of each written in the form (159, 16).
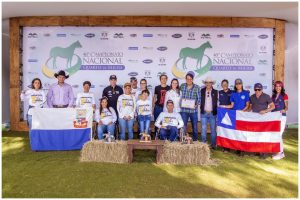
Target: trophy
(145, 137)
(109, 138)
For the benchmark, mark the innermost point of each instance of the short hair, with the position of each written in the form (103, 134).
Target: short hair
(146, 91)
(224, 80)
(170, 102)
(36, 79)
(162, 76)
(87, 82)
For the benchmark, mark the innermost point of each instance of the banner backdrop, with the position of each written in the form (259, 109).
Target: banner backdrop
(94, 53)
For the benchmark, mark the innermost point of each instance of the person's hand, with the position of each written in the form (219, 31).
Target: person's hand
(110, 123)
(129, 118)
(100, 123)
(164, 127)
(283, 111)
(262, 112)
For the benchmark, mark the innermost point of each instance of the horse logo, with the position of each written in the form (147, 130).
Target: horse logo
(65, 53)
(193, 53)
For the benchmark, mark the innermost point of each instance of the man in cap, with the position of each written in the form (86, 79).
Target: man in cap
(60, 94)
(134, 87)
(191, 97)
(261, 103)
(209, 101)
(112, 92)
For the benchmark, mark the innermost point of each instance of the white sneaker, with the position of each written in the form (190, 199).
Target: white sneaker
(278, 156)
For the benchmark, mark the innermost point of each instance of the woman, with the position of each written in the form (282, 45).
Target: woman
(174, 95)
(280, 99)
(36, 97)
(126, 106)
(144, 112)
(143, 86)
(106, 118)
(240, 100)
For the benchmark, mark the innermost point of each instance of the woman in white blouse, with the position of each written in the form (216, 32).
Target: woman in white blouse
(174, 95)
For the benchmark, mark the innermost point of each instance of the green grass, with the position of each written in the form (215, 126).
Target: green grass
(60, 174)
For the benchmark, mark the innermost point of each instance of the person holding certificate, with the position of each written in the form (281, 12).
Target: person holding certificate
(209, 102)
(191, 97)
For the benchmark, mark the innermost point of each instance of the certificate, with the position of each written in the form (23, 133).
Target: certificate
(188, 103)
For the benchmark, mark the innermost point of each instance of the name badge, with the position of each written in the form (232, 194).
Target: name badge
(188, 103)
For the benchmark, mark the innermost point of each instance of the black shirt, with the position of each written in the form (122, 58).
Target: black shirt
(161, 94)
(112, 94)
(224, 97)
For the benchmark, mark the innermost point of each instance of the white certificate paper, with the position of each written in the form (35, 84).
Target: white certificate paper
(188, 103)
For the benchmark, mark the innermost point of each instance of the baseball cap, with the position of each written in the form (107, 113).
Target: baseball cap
(113, 77)
(258, 86)
(238, 80)
(133, 78)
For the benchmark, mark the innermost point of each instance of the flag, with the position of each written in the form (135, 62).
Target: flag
(248, 131)
(60, 128)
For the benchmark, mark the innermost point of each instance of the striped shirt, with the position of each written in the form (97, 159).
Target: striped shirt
(193, 93)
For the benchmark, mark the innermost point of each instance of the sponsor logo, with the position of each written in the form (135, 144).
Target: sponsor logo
(89, 35)
(147, 61)
(263, 49)
(176, 35)
(47, 34)
(147, 35)
(263, 36)
(133, 48)
(93, 86)
(160, 73)
(75, 86)
(75, 34)
(148, 74)
(118, 35)
(248, 36)
(133, 35)
(262, 62)
(234, 36)
(262, 74)
(133, 74)
(161, 35)
(220, 36)
(32, 60)
(148, 48)
(133, 61)
(205, 36)
(102, 86)
(162, 61)
(149, 87)
(32, 73)
(32, 47)
(162, 48)
(32, 35)
(104, 35)
(61, 35)
(191, 36)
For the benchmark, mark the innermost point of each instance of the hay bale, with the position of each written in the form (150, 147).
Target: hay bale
(191, 154)
(98, 151)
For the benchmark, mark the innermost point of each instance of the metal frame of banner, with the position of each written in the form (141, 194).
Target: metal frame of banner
(16, 24)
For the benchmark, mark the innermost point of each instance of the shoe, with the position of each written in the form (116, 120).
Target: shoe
(240, 153)
(225, 150)
(213, 148)
(278, 156)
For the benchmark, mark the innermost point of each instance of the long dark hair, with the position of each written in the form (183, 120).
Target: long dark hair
(145, 81)
(101, 108)
(36, 79)
(177, 88)
(282, 92)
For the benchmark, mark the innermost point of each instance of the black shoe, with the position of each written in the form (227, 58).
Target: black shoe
(240, 153)
(225, 150)
(213, 148)
(263, 156)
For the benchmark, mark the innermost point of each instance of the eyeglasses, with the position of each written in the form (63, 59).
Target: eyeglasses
(257, 90)
(143, 83)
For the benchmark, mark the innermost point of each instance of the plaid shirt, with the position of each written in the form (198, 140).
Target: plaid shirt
(193, 93)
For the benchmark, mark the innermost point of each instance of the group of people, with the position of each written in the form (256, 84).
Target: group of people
(171, 106)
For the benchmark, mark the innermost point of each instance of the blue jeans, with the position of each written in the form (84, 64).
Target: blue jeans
(144, 123)
(123, 124)
(194, 119)
(157, 111)
(29, 121)
(208, 117)
(170, 133)
(104, 129)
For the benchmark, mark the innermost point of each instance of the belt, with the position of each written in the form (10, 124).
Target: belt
(60, 106)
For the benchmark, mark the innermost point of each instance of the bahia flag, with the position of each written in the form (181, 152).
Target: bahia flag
(60, 128)
(248, 131)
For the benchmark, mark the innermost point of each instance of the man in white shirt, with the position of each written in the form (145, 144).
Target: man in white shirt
(169, 122)
(86, 99)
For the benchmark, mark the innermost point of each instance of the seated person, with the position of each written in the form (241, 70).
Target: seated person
(169, 122)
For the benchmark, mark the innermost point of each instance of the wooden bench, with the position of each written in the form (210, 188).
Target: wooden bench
(154, 145)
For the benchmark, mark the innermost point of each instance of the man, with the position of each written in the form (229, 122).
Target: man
(169, 122)
(134, 87)
(86, 99)
(159, 96)
(191, 95)
(209, 101)
(261, 103)
(112, 92)
(60, 94)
